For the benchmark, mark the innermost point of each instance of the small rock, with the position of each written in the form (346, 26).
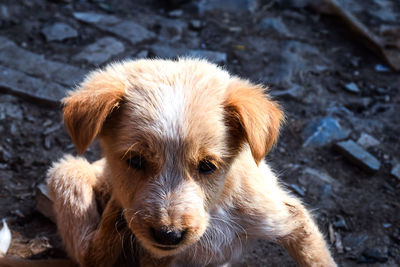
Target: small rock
(44, 204)
(297, 189)
(372, 256)
(386, 225)
(17, 213)
(14, 129)
(294, 93)
(125, 29)
(175, 13)
(58, 32)
(21, 63)
(354, 241)
(396, 171)
(318, 176)
(273, 26)
(381, 68)
(338, 243)
(166, 51)
(195, 24)
(47, 142)
(367, 140)
(52, 129)
(352, 88)
(214, 56)
(236, 6)
(331, 234)
(11, 110)
(323, 131)
(89, 17)
(358, 155)
(142, 54)
(341, 224)
(171, 30)
(5, 13)
(5, 155)
(101, 51)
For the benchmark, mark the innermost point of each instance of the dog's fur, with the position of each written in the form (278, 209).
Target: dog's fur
(175, 115)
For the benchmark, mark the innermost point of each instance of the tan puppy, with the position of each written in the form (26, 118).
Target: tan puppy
(183, 181)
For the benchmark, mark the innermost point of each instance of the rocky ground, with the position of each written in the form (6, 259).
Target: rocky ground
(339, 149)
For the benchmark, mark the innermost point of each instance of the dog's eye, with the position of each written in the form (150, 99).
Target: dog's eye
(137, 162)
(206, 167)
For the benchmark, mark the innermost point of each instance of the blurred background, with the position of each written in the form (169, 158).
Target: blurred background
(333, 65)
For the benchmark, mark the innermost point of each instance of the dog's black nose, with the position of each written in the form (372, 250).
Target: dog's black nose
(168, 235)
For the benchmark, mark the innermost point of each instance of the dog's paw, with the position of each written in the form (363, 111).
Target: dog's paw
(71, 181)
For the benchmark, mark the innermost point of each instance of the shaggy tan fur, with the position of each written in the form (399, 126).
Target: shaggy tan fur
(176, 116)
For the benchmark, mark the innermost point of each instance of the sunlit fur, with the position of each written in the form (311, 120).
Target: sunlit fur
(175, 114)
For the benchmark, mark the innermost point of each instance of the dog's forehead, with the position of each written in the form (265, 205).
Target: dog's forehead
(178, 99)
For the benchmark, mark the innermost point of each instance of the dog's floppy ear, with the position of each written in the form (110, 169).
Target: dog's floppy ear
(251, 116)
(86, 108)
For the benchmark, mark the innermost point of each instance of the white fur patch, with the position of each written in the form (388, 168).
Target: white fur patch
(170, 111)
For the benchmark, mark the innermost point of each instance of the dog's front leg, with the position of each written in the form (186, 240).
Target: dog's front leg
(74, 184)
(106, 243)
(304, 242)
(278, 216)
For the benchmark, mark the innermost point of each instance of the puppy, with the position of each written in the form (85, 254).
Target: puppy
(183, 181)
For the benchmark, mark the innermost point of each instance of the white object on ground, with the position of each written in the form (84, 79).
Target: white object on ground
(5, 239)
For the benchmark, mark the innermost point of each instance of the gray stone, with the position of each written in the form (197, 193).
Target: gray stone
(358, 155)
(396, 171)
(273, 26)
(171, 30)
(320, 176)
(58, 32)
(381, 68)
(18, 83)
(101, 51)
(294, 93)
(11, 110)
(142, 54)
(297, 189)
(237, 6)
(385, 11)
(323, 131)
(44, 203)
(175, 13)
(166, 51)
(341, 224)
(36, 65)
(195, 24)
(354, 241)
(5, 155)
(291, 61)
(372, 256)
(365, 140)
(338, 242)
(352, 88)
(214, 56)
(126, 29)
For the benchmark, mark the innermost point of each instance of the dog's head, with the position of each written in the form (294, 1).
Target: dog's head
(169, 131)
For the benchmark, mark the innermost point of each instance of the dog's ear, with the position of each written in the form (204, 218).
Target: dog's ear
(87, 108)
(252, 117)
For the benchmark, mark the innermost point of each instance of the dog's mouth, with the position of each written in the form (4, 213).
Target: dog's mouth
(166, 248)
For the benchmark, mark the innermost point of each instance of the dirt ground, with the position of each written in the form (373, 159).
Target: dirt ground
(307, 59)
